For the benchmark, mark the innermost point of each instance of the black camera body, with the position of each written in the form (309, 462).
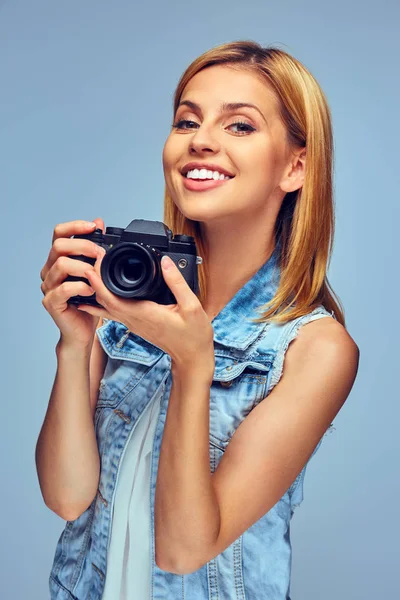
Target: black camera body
(131, 266)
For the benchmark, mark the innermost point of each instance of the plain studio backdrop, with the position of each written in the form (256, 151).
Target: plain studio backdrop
(85, 106)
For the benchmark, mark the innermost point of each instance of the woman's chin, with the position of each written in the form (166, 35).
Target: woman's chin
(197, 210)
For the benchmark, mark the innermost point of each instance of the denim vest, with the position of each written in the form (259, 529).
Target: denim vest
(248, 364)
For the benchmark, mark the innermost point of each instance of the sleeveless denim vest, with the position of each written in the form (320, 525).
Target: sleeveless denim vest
(248, 364)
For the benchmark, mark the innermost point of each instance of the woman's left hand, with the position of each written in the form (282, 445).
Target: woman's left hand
(182, 330)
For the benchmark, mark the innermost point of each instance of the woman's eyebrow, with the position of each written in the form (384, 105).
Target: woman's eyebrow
(224, 107)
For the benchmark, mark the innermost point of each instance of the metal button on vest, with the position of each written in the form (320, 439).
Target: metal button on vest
(226, 383)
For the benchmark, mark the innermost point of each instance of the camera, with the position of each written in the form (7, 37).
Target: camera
(131, 266)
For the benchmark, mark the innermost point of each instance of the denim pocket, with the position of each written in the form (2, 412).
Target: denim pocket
(130, 358)
(239, 384)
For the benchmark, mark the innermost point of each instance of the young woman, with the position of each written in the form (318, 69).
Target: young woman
(175, 443)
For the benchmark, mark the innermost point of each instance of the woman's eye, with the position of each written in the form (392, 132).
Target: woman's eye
(242, 124)
(248, 128)
(179, 124)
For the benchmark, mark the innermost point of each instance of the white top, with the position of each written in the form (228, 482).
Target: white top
(128, 560)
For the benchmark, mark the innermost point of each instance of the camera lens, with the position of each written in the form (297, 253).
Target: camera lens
(131, 270)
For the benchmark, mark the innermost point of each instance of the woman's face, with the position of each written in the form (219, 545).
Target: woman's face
(254, 151)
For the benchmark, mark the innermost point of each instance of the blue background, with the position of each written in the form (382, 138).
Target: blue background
(85, 106)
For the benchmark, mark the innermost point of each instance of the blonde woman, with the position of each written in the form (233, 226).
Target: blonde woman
(177, 436)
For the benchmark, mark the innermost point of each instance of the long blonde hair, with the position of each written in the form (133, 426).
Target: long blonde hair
(305, 223)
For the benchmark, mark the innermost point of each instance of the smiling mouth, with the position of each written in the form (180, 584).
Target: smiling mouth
(195, 185)
(208, 178)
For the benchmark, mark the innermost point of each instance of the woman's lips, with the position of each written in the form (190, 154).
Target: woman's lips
(200, 185)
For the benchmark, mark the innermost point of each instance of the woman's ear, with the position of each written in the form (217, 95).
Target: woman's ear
(293, 177)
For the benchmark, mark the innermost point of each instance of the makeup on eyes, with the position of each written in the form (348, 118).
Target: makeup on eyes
(178, 125)
(225, 107)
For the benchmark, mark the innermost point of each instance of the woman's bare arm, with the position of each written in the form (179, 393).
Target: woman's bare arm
(67, 458)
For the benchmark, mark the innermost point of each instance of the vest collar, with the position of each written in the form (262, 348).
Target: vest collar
(232, 326)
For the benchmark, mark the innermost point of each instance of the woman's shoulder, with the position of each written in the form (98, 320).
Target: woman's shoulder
(322, 335)
(325, 326)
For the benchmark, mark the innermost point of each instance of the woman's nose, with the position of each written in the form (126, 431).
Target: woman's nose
(203, 141)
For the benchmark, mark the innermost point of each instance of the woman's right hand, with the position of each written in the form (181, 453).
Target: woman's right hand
(77, 328)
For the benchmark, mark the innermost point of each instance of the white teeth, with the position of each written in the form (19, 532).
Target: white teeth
(206, 174)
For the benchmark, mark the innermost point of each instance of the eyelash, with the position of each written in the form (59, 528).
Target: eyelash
(177, 125)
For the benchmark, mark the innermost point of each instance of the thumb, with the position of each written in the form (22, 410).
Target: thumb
(176, 282)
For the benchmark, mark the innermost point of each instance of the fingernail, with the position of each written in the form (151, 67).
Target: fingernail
(166, 262)
(90, 224)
